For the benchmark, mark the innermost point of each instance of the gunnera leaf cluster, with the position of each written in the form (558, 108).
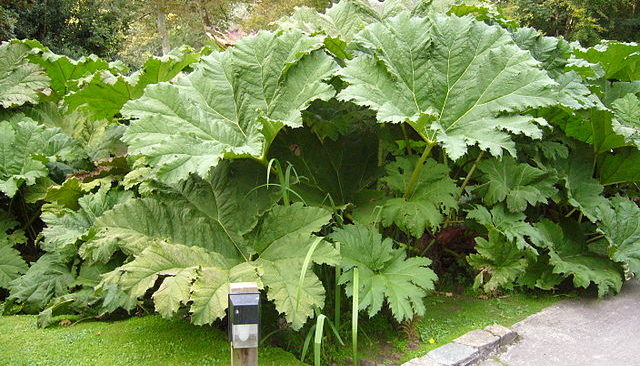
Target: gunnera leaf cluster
(360, 137)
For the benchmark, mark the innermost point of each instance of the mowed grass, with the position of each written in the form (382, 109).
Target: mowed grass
(148, 340)
(151, 340)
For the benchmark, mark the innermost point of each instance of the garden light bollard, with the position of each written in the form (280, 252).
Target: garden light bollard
(244, 323)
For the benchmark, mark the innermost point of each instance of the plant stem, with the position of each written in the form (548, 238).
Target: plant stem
(354, 315)
(338, 293)
(473, 170)
(416, 172)
(595, 238)
(406, 139)
(317, 341)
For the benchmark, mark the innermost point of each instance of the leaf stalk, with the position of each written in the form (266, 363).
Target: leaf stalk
(473, 170)
(416, 171)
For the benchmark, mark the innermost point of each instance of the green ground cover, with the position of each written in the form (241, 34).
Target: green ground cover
(151, 340)
(148, 341)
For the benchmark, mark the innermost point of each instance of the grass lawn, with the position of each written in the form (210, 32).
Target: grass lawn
(149, 340)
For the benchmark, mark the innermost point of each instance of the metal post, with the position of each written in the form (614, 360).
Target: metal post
(241, 356)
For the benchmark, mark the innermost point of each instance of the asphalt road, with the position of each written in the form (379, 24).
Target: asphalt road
(579, 333)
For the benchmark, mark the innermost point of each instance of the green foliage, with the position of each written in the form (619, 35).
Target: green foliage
(64, 72)
(582, 190)
(11, 263)
(67, 227)
(423, 209)
(48, 277)
(619, 60)
(196, 275)
(219, 112)
(516, 184)
(428, 78)
(20, 80)
(26, 147)
(104, 93)
(627, 112)
(385, 273)
(212, 214)
(620, 225)
(72, 27)
(349, 142)
(500, 262)
(344, 19)
(511, 225)
(587, 21)
(570, 256)
(331, 172)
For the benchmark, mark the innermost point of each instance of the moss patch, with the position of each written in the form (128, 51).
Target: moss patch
(149, 340)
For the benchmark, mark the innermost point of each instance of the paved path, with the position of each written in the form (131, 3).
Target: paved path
(580, 333)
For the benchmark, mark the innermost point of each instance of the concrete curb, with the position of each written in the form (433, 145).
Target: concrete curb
(469, 349)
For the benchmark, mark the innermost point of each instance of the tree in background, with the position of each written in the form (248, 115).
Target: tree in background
(72, 27)
(586, 21)
(264, 12)
(161, 25)
(133, 30)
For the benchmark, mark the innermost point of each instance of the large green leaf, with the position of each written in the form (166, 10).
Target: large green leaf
(66, 227)
(100, 138)
(499, 261)
(517, 184)
(283, 222)
(570, 256)
(210, 290)
(103, 94)
(456, 81)
(423, 209)
(618, 89)
(386, 274)
(479, 9)
(25, 147)
(20, 81)
(583, 191)
(552, 52)
(175, 265)
(594, 127)
(621, 166)
(11, 263)
(65, 73)
(232, 106)
(48, 277)
(627, 124)
(511, 225)
(283, 241)
(212, 214)
(345, 18)
(196, 275)
(621, 226)
(620, 61)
